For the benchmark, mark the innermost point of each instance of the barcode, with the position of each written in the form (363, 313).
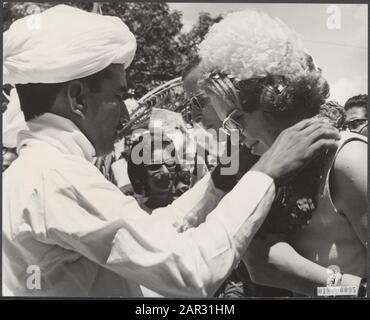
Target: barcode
(337, 291)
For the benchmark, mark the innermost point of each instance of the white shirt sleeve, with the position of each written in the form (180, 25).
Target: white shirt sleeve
(193, 206)
(84, 213)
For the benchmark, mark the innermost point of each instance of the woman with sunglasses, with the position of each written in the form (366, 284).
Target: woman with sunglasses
(261, 81)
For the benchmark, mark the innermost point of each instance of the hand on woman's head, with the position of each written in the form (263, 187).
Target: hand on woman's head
(295, 147)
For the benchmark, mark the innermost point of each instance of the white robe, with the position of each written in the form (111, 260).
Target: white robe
(61, 217)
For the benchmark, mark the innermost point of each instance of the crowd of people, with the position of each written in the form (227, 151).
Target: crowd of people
(290, 219)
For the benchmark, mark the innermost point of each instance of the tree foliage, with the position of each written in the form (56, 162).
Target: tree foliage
(191, 40)
(158, 58)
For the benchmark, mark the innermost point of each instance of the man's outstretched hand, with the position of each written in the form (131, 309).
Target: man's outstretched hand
(295, 147)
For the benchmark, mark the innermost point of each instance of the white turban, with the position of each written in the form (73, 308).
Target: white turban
(64, 43)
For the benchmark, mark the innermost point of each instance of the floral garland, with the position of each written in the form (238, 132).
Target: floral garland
(295, 202)
(251, 44)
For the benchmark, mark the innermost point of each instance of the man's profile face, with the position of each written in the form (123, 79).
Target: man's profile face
(106, 110)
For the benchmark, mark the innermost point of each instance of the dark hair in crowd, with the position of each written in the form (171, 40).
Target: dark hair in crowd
(38, 98)
(357, 101)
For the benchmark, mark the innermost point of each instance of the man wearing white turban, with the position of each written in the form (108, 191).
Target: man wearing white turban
(67, 231)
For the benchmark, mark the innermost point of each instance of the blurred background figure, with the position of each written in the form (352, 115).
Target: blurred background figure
(13, 122)
(6, 96)
(356, 114)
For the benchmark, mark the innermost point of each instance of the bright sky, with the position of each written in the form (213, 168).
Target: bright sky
(341, 53)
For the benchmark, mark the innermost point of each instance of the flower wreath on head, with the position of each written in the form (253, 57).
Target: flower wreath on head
(275, 92)
(261, 55)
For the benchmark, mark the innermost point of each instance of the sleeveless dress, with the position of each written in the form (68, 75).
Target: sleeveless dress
(329, 237)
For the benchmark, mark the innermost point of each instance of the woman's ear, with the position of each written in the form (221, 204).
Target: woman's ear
(75, 96)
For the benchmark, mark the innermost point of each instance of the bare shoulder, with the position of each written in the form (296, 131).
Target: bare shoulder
(351, 159)
(348, 185)
(348, 179)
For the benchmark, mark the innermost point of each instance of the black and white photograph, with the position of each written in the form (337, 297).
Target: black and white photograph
(184, 150)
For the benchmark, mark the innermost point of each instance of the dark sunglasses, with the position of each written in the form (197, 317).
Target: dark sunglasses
(355, 124)
(170, 165)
